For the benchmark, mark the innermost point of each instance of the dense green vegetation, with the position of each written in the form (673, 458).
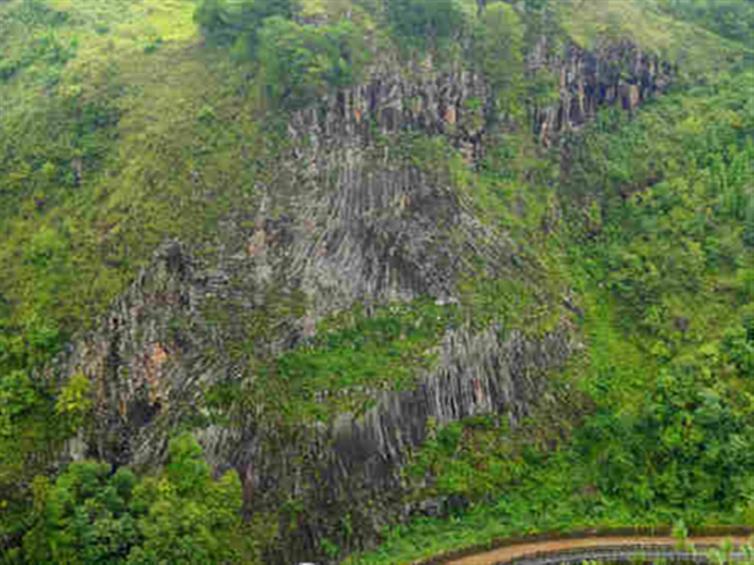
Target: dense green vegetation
(499, 45)
(426, 22)
(729, 18)
(91, 514)
(126, 122)
(297, 62)
(83, 197)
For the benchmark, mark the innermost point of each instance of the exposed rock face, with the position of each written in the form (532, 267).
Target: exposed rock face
(450, 103)
(376, 231)
(454, 103)
(347, 220)
(351, 469)
(142, 360)
(155, 352)
(615, 74)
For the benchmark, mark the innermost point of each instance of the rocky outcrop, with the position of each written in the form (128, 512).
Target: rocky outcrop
(157, 351)
(420, 99)
(144, 359)
(615, 74)
(347, 219)
(351, 469)
(372, 227)
(457, 103)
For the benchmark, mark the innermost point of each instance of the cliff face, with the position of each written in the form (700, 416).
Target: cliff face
(417, 99)
(350, 469)
(346, 219)
(156, 353)
(454, 103)
(149, 367)
(617, 74)
(141, 361)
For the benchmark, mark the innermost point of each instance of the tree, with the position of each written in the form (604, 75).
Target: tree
(74, 402)
(730, 18)
(84, 517)
(425, 23)
(298, 63)
(499, 41)
(186, 516)
(239, 21)
(94, 515)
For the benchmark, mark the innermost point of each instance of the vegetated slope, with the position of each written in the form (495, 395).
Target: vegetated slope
(366, 205)
(663, 262)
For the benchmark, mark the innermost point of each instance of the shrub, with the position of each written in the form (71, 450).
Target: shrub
(299, 62)
(94, 515)
(228, 21)
(425, 23)
(499, 41)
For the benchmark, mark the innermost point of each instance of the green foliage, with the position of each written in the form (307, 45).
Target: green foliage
(234, 21)
(47, 50)
(96, 96)
(729, 18)
(684, 228)
(664, 262)
(687, 447)
(499, 41)
(471, 459)
(299, 63)
(738, 345)
(74, 402)
(94, 515)
(66, 193)
(426, 23)
(26, 435)
(681, 533)
(84, 517)
(658, 254)
(354, 350)
(17, 396)
(329, 548)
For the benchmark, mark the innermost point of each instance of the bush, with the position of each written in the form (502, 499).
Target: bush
(298, 63)
(228, 22)
(730, 18)
(74, 402)
(94, 515)
(425, 23)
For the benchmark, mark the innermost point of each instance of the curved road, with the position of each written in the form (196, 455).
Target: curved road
(538, 548)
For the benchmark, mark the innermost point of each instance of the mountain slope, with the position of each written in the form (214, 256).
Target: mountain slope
(345, 244)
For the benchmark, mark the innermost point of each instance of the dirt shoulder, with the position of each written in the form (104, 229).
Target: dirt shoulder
(504, 554)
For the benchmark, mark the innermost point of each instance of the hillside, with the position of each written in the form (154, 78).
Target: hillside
(289, 280)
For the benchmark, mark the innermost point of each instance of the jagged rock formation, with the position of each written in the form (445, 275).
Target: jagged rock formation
(348, 219)
(351, 469)
(152, 357)
(139, 360)
(615, 74)
(417, 99)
